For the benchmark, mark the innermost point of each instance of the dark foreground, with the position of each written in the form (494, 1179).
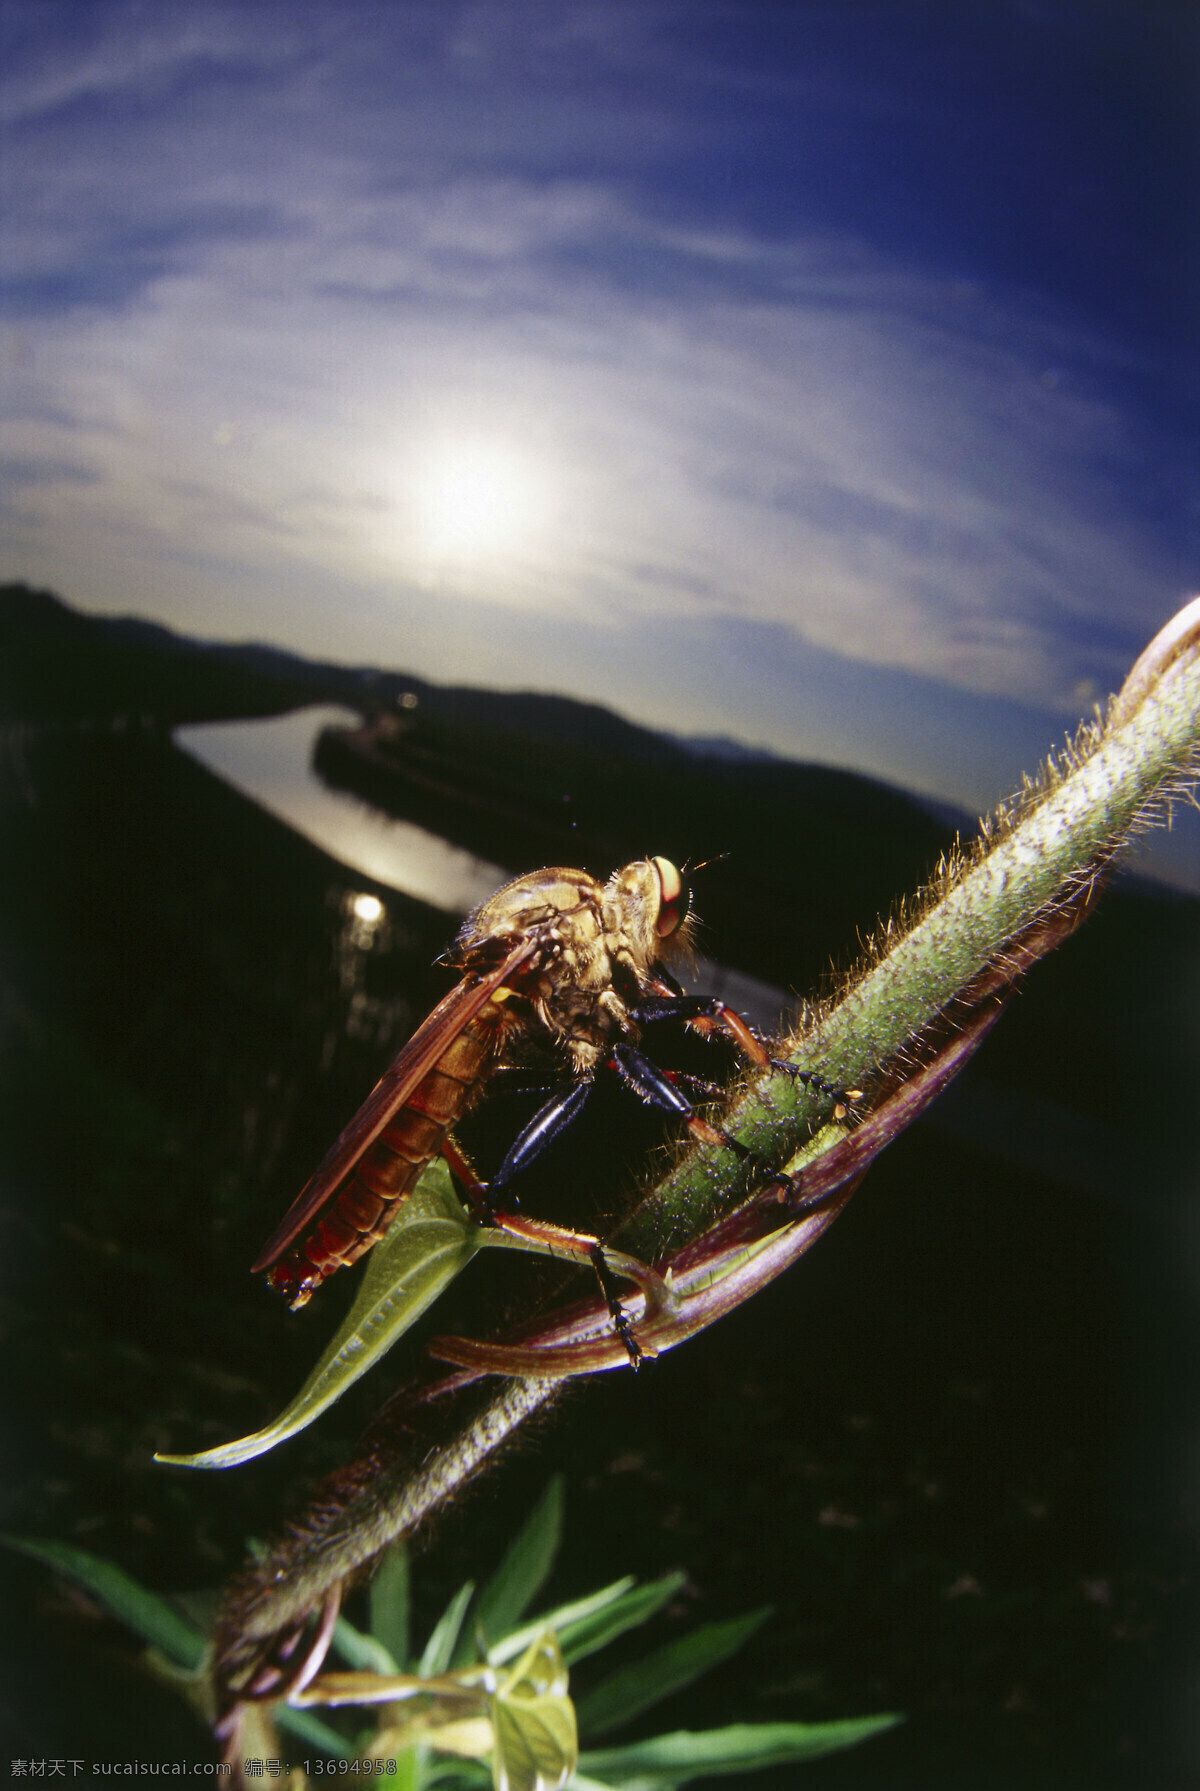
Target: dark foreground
(949, 1448)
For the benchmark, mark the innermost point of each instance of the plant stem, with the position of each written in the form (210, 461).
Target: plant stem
(989, 914)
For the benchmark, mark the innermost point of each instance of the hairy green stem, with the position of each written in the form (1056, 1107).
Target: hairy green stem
(990, 913)
(1039, 860)
(372, 1503)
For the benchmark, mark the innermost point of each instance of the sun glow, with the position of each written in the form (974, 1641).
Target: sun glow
(478, 500)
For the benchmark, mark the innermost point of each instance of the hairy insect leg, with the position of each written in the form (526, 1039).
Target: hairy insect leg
(788, 1196)
(705, 1013)
(542, 1130)
(708, 1013)
(545, 1126)
(464, 1174)
(660, 1089)
(616, 1311)
(580, 1246)
(843, 1098)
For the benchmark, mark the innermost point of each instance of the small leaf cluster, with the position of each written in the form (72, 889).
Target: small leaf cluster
(484, 1701)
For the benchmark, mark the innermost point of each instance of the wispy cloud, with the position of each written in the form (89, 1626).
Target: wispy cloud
(271, 268)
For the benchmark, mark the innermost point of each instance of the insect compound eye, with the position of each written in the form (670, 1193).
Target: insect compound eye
(675, 898)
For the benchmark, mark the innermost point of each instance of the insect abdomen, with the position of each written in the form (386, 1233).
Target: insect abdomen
(389, 1169)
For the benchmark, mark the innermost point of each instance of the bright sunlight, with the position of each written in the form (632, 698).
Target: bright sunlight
(477, 500)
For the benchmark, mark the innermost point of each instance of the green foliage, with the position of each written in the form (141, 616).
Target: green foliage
(679, 1759)
(505, 1598)
(148, 1615)
(439, 1649)
(390, 1605)
(439, 1722)
(430, 1243)
(641, 1683)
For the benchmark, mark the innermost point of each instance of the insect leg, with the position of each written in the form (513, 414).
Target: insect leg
(578, 1246)
(706, 1012)
(543, 1129)
(616, 1311)
(463, 1171)
(543, 1126)
(659, 1089)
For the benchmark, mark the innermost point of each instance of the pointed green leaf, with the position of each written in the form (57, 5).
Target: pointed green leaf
(578, 1640)
(522, 1573)
(431, 1241)
(571, 1616)
(439, 1649)
(148, 1615)
(641, 1683)
(534, 1722)
(390, 1602)
(667, 1760)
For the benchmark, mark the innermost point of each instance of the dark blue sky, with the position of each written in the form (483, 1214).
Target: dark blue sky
(1047, 147)
(819, 374)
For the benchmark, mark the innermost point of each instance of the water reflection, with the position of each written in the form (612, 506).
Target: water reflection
(368, 1015)
(368, 911)
(270, 761)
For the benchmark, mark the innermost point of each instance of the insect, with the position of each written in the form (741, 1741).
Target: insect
(554, 962)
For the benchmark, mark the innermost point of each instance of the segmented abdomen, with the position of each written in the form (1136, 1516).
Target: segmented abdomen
(388, 1170)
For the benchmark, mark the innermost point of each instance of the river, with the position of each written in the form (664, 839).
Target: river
(271, 762)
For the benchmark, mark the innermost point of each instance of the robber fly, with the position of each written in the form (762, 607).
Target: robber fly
(554, 960)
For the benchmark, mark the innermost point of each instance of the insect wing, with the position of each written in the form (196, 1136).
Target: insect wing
(411, 1065)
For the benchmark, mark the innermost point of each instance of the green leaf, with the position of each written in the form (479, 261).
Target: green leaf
(578, 1640)
(534, 1723)
(641, 1683)
(668, 1760)
(569, 1616)
(439, 1649)
(1048, 850)
(364, 1653)
(431, 1242)
(522, 1573)
(390, 1600)
(148, 1615)
(307, 1727)
(415, 1772)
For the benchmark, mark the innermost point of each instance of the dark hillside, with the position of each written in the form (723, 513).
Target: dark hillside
(519, 778)
(950, 1447)
(56, 664)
